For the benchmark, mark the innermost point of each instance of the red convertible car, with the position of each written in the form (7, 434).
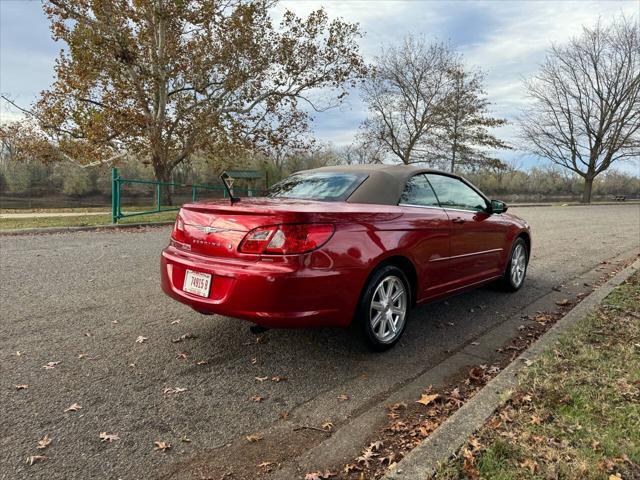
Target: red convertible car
(336, 245)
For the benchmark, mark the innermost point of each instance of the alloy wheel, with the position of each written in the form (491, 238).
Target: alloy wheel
(388, 309)
(518, 265)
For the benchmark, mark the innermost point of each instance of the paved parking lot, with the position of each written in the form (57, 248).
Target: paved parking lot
(84, 299)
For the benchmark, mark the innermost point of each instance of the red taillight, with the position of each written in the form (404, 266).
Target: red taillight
(286, 239)
(178, 230)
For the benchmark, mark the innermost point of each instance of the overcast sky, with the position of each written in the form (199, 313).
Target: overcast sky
(506, 39)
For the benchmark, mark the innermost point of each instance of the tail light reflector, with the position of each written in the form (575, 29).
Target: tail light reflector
(287, 239)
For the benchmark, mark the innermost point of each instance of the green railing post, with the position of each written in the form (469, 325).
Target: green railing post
(114, 195)
(194, 193)
(158, 197)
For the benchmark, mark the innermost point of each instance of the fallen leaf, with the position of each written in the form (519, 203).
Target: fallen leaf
(535, 420)
(161, 446)
(343, 397)
(350, 467)
(327, 426)
(530, 465)
(283, 415)
(185, 439)
(82, 355)
(475, 344)
(51, 365)
(257, 398)
(36, 458)
(184, 337)
(23, 386)
(268, 466)
(278, 379)
(19, 353)
(389, 459)
(44, 442)
(376, 446)
(182, 355)
(172, 390)
(254, 437)
(115, 322)
(109, 437)
(201, 362)
(175, 322)
(261, 379)
(73, 408)
(397, 406)
(476, 374)
(366, 457)
(319, 475)
(141, 339)
(254, 361)
(564, 302)
(427, 398)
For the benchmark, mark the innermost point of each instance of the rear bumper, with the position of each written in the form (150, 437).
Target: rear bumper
(282, 295)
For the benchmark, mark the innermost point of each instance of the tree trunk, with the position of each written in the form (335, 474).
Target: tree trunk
(162, 174)
(586, 193)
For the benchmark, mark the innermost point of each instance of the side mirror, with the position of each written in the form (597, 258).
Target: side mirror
(498, 207)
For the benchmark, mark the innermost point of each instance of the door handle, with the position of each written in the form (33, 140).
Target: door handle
(458, 220)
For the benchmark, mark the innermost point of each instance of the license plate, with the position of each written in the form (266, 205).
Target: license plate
(197, 283)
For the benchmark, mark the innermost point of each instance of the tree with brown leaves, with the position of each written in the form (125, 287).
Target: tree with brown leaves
(585, 110)
(162, 79)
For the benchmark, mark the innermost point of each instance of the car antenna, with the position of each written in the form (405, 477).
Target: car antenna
(224, 176)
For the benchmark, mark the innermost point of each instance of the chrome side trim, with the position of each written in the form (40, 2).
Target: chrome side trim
(420, 206)
(467, 255)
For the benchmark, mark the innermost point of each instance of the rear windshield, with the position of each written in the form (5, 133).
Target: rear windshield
(328, 186)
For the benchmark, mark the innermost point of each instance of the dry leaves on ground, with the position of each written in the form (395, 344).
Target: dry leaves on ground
(343, 397)
(72, 408)
(141, 339)
(173, 390)
(109, 437)
(161, 446)
(50, 365)
(184, 337)
(36, 458)
(254, 437)
(320, 475)
(23, 386)
(44, 442)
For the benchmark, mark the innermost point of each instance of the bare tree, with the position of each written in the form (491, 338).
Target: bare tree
(405, 93)
(360, 152)
(585, 111)
(462, 138)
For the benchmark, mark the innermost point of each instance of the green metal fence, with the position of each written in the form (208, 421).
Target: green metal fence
(116, 194)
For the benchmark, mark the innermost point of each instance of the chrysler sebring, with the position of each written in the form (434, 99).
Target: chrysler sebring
(344, 245)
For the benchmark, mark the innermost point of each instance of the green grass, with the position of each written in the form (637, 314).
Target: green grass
(583, 418)
(82, 220)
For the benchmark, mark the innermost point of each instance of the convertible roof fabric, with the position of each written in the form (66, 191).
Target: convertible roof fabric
(384, 183)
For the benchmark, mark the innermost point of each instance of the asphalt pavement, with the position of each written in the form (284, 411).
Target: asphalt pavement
(92, 302)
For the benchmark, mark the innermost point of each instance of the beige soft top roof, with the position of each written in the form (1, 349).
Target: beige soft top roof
(384, 183)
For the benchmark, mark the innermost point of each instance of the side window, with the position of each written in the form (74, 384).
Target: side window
(417, 191)
(454, 193)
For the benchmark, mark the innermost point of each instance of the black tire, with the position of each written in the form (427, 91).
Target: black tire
(509, 282)
(388, 275)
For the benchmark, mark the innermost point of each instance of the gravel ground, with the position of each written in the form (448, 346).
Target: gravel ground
(83, 299)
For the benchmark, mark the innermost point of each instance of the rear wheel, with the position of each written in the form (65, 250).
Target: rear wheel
(383, 309)
(517, 267)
